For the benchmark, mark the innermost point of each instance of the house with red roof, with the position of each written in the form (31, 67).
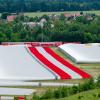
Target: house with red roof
(72, 15)
(11, 18)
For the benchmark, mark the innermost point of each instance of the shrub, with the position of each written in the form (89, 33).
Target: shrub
(48, 94)
(94, 95)
(99, 95)
(88, 85)
(75, 89)
(57, 93)
(15, 98)
(98, 82)
(64, 92)
(80, 97)
(35, 97)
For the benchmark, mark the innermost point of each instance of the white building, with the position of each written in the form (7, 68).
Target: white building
(82, 53)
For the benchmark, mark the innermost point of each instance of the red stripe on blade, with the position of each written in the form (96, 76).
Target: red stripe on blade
(66, 63)
(21, 97)
(51, 66)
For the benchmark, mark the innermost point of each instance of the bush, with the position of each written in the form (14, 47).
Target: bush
(75, 89)
(99, 95)
(25, 98)
(98, 82)
(88, 85)
(35, 97)
(94, 95)
(80, 97)
(57, 94)
(15, 98)
(64, 92)
(91, 84)
(48, 94)
(67, 91)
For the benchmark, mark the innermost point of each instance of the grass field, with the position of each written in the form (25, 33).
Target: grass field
(33, 14)
(39, 14)
(89, 95)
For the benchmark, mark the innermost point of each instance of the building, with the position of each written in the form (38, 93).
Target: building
(72, 16)
(82, 53)
(11, 18)
(30, 24)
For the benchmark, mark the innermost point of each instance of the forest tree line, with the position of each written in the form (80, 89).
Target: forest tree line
(78, 30)
(48, 5)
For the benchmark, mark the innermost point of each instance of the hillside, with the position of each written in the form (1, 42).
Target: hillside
(89, 95)
(48, 5)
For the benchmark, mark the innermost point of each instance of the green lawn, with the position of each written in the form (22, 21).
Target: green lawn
(33, 14)
(89, 95)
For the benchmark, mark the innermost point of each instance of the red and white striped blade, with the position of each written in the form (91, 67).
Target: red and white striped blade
(59, 66)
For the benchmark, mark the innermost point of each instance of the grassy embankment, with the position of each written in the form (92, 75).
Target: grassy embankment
(88, 95)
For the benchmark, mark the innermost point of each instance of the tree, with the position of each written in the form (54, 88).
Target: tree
(88, 38)
(4, 15)
(15, 37)
(47, 5)
(82, 19)
(81, 13)
(45, 17)
(3, 37)
(62, 17)
(42, 38)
